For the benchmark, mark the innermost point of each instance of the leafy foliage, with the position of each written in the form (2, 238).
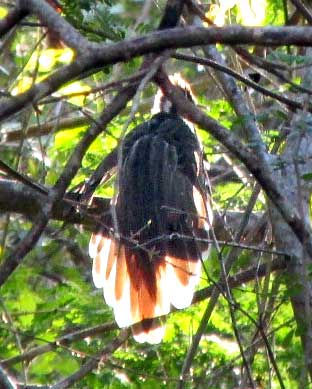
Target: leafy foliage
(51, 295)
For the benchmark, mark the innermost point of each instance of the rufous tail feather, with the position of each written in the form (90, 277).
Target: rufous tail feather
(138, 291)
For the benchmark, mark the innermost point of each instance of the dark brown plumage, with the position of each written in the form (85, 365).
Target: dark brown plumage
(161, 208)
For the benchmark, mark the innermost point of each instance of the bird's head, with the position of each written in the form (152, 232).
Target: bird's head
(163, 104)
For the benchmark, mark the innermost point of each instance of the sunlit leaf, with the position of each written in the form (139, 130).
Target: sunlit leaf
(47, 60)
(66, 55)
(3, 12)
(251, 12)
(22, 85)
(77, 87)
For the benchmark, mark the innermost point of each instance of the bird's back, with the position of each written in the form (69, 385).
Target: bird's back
(162, 212)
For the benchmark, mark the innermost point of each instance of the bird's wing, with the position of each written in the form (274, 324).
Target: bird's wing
(161, 211)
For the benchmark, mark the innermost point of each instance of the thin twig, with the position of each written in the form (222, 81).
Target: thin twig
(93, 362)
(208, 62)
(235, 281)
(63, 340)
(12, 19)
(264, 175)
(216, 292)
(21, 178)
(6, 380)
(303, 10)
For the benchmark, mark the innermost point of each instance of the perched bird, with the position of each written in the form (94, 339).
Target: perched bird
(162, 214)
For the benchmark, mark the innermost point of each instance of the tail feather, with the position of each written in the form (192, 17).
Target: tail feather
(183, 276)
(146, 295)
(122, 303)
(122, 275)
(112, 256)
(110, 278)
(204, 217)
(162, 205)
(139, 291)
(146, 302)
(149, 331)
(99, 249)
(94, 243)
(163, 302)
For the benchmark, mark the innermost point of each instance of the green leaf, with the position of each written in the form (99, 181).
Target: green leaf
(307, 176)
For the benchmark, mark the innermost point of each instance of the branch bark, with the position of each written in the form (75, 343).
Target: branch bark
(16, 15)
(296, 161)
(18, 198)
(94, 55)
(246, 155)
(235, 281)
(93, 362)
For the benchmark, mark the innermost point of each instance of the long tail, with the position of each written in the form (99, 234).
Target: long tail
(138, 290)
(161, 214)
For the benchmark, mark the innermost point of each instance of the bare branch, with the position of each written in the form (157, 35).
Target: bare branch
(97, 55)
(56, 23)
(46, 128)
(14, 104)
(303, 10)
(215, 65)
(73, 164)
(256, 166)
(56, 193)
(92, 363)
(17, 198)
(66, 339)
(6, 381)
(201, 295)
(21, 178)
(26, 245)
(216, 291)
(12, 19)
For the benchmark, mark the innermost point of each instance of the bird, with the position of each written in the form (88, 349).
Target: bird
(162, 213)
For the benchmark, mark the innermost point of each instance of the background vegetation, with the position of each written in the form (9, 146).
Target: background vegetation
(68, 91)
